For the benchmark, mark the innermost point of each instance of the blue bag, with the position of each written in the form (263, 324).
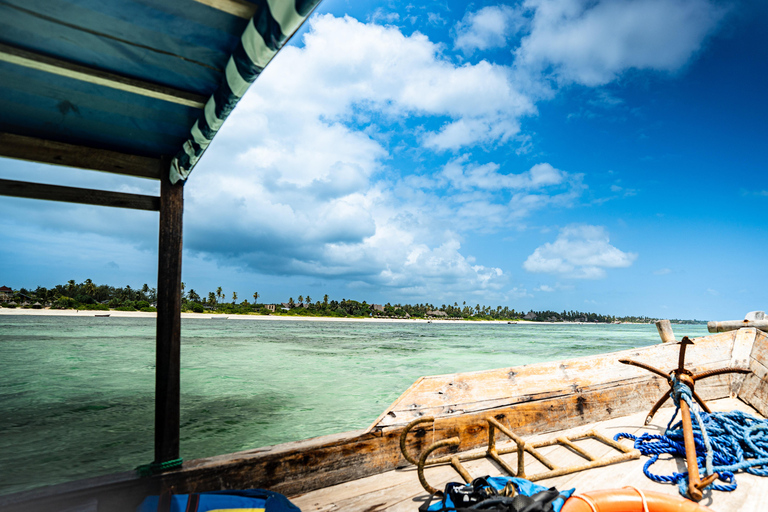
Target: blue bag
(483, 492)
(250, 500)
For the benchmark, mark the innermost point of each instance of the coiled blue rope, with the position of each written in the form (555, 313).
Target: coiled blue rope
(726, 442)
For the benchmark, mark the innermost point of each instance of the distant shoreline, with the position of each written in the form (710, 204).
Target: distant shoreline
(206, 316)
(142, 314)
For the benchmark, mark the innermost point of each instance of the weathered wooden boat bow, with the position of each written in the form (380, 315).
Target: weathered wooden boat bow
(681, 379)
(465, 442)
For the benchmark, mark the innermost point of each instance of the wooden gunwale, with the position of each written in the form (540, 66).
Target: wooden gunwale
(571, 400)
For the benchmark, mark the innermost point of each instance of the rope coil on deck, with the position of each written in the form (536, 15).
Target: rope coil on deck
(726, 442)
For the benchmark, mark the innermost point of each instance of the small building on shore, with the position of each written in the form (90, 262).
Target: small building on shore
(6, 294)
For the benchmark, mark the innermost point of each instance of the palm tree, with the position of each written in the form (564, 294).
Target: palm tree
(301, 299)
(234, 297)
(255, 297)
(70, 286)
(290, 302)
(218, 292)
(183, 287)
(211, 298)
(325, 299)
(309, 300)
(89, 287)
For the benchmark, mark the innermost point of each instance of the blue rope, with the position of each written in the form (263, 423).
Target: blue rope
(726, 442)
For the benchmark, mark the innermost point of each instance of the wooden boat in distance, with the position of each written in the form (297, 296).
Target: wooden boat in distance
(531, 400)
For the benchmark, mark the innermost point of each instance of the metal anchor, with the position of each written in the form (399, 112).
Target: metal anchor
(695, 484)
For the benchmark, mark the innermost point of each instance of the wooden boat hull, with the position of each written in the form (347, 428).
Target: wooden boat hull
(537, 398)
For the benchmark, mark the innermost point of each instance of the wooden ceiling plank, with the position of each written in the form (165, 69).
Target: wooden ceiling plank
(59, 153)
(239, 8)
(28, 190)
(87, 74)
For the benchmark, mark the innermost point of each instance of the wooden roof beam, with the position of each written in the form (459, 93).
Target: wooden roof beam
(239, 8)
(90, 75)
(28, 190)
(70, 155)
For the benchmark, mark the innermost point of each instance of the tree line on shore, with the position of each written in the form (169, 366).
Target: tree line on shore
(90, 296)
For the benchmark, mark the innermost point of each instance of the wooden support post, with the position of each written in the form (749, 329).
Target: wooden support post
(665, 331)
(734, 325)
(167, 371)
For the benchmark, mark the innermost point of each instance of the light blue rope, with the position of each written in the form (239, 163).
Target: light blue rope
(726, 442)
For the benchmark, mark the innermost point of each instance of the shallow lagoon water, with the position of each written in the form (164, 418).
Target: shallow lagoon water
(77, 393)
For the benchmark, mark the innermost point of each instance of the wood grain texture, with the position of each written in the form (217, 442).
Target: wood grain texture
(40, 62)
(69, 155)
(733, 325)
(399, 490)
(239, 8)
(743, 345)
(456, 394)
(28, 190)
(168, 339)
(754, 390)
(665, 331)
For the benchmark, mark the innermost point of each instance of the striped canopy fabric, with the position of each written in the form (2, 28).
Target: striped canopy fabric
(143, 78)
(273, 24)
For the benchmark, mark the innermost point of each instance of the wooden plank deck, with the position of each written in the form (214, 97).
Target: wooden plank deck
(399, 490)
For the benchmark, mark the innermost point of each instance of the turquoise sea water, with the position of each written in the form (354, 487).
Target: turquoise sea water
(77, 393)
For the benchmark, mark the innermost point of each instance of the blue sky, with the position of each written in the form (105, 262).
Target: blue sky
(601, 155)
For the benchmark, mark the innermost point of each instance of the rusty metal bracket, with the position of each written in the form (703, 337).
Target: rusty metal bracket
(520, 447)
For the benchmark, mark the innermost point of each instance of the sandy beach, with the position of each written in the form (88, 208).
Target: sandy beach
(205, 316)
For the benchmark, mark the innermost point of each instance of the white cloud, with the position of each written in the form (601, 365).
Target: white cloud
(662, 271)
(485, 192)
(347, 67)
(297, 182)
(300, 187)
(518, 292)
(381, 16)
(580, 252)
(490, 27)
(302, 178)
(464, 176)
(592, 42)
(553, 288)
(435, 19)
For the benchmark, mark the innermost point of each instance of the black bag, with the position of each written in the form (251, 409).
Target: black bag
(480, 495)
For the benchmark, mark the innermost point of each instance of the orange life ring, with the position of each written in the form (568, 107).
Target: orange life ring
(630, 499)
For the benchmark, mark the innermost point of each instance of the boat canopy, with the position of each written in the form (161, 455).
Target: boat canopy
(142, 79)
(140, 88)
